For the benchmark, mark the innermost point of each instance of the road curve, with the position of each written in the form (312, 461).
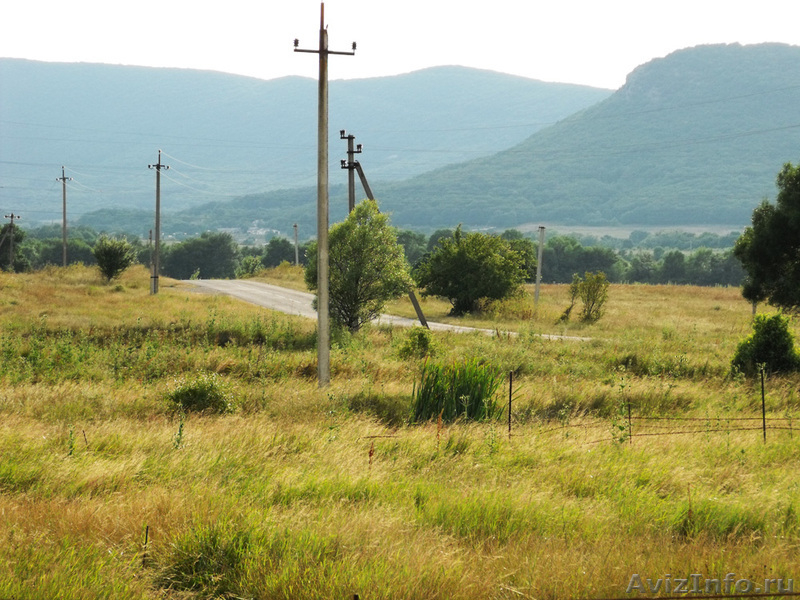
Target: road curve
(293, 302)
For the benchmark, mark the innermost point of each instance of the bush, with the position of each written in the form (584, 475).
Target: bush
(418, 344)
(113, 256)
(203, 394)
(457, 390)
(592, 289)
(770, 344)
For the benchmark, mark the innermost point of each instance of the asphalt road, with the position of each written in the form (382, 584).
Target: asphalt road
(300, 303)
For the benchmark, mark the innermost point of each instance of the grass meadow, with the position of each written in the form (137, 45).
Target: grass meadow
(109, 489)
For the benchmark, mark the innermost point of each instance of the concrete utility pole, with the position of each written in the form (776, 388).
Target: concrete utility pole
(154, 276)
(352, 165)
(323, 301)
(10, 234)
(296, 249)
(538, 268)
(64, 179)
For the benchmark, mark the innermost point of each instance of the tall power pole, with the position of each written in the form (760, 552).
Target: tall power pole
(154, 277)
(323, 302)
(10, 234)
(353, 165)
(296, 249)
(63, 179)
(538, 267)
(350, 166)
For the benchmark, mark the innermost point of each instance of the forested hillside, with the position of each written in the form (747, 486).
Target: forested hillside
(225, 136)
(695, 138)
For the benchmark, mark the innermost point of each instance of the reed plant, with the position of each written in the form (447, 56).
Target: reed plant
(456, 390)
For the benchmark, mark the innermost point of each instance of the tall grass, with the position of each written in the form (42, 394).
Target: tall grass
(309, 493)
(456, 390)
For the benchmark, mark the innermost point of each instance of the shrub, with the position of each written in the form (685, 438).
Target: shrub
(418, 344)
(592, 289)
(770, 344)
(204, 394)
(456, 390)
(113, 256)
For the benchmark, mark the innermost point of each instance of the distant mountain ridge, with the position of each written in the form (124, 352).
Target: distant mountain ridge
(695, 138)
(227, 135)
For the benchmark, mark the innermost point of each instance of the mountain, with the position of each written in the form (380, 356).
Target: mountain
(226, 135)
(695, 138)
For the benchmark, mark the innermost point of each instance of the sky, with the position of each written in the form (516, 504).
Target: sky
(586, 42)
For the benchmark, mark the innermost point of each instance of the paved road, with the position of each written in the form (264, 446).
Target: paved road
(300, 303)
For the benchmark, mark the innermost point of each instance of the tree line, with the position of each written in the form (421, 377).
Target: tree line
(216, 255)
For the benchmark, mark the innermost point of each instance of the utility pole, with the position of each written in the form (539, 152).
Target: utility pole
(64, 179)
(353, 165)
(296, 249)
(538, 268)
(323, 301)
(154, 276)
(10, 234)
(350, 166)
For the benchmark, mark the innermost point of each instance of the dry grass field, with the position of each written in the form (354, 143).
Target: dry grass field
(302, 493)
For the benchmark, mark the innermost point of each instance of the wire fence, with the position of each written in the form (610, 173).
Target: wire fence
(625, 426)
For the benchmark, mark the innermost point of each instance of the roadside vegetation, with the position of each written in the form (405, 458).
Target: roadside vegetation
(194, 423)
(665, 257)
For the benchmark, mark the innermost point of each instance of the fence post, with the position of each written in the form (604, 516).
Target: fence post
(763, 407)
(510, 391)
(146, 539)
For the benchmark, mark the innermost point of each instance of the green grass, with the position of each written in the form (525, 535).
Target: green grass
(305, 493)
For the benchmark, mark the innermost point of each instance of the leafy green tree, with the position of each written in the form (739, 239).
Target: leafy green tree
(414, 244)
(248, 267)
(212, 256)
(18, 262)
(642, 268)
(50, 252)
(113, 256)
(526, 249)
(437, 236)
(366, 266)
(673, 267)
(769, 249)
(466, 268)
(278, 250)
(770, 345)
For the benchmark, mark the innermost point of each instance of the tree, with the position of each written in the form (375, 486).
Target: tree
(769, 346)
(278, 250)
(12, 234)
(437, 236)
(466, 268)
(212, 255)
(366, 266)
(50, 252)
(414, 244)
(769, 249)
(673, 267)
(113, 256)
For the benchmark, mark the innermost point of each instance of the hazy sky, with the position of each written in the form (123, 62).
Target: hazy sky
(578, 41)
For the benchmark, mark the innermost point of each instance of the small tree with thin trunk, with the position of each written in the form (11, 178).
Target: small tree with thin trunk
(366, 269)
(113, 256)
